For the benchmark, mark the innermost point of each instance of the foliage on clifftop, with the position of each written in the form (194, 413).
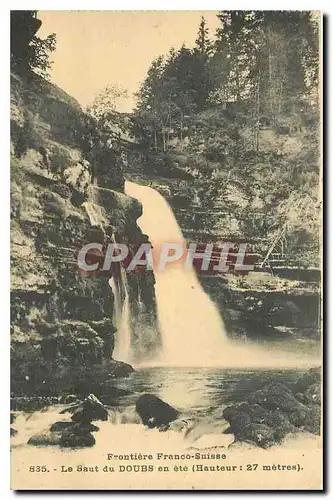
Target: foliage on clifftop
(237, 116)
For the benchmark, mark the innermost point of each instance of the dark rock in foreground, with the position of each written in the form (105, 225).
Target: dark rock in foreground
(75, 433)
(73, 427)
(69, 440)
(313, 376)
(275, 396)
(154, 412)
(275, 410)
(60, 426)
(66, 439)
(87, 410)
(90, 409)
(13, 432)
(45, 439)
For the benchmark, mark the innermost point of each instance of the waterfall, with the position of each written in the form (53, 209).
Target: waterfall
(121, 320)
(189, 323)
(121, 309)
(192, 330)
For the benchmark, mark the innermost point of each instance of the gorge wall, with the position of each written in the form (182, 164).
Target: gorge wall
(61, 320)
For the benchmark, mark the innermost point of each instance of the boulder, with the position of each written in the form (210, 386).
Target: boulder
(298, 417)
(60, 426)
(91, 409)
(274, 410)
(45, 439)
(70, 440)
(274, 419)
(313, 420)
(275, 396)
(237, 419)
(13, 432)
(259, 434)
(313, 376)
(82, 416)
(83, 429)
(119, 369)
(312, 394)
(75, 428)
(154, 412)
(246, 419)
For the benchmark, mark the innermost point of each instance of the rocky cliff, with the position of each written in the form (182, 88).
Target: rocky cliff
(61, 319)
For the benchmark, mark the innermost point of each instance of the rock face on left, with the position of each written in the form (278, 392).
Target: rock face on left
(61, 319)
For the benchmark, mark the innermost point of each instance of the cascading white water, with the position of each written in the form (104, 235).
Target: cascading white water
(121, 309)
(121, 319)
(192, 330)
(191, 327)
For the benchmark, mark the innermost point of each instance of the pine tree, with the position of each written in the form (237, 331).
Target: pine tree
(202, 44)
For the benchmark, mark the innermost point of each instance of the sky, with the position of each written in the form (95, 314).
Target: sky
(99, 48)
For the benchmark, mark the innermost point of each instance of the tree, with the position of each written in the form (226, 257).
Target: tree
(107, 101)
(104, 129)
(40, 50)
(29, 52)
(202, 44)
(260, 73)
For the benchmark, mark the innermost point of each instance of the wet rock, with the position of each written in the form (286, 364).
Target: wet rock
(91, 409)
(298, 418)
(76, 428)
(45, 439)
(245, 419)
(274, 410)
(275, 396)
(59, 426)
(119, 369)
(274, 419)
(68, 399)
(313, 376)
(300, 397)
(313, 394)
(70, 440)
(154, 412)
(13, 432)
(255, 412)
(259, 434)
(313, 420)
(71, 408)
(103, 327)
(307, 419)
(237, 419)
(83, 416)
(82, 429)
